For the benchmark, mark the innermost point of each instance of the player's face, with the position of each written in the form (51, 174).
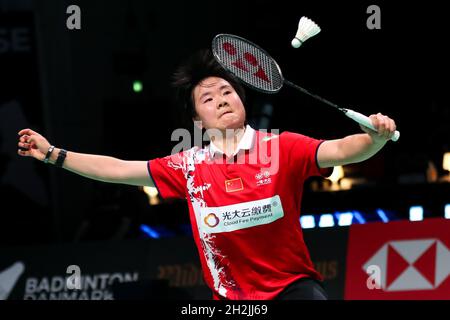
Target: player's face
(218, 105)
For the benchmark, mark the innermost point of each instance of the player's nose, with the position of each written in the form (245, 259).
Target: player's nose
(222, 103)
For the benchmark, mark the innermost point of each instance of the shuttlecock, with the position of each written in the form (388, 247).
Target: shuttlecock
(306, 29)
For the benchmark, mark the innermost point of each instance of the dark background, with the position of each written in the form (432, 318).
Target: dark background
(75, 87)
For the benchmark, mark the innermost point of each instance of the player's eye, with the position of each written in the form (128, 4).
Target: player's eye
(226, 92)
(207, 100)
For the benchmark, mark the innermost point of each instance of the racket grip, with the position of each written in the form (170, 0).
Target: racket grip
(365, 121)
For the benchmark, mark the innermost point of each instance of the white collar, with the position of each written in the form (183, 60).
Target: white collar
(246, 142)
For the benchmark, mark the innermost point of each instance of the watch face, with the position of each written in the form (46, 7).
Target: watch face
(47, 156)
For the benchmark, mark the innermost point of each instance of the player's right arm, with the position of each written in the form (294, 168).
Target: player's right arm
(97, 167)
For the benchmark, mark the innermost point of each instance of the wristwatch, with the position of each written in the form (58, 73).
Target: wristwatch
(49, 152)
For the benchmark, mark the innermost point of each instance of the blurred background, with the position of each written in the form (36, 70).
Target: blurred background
(105, 89)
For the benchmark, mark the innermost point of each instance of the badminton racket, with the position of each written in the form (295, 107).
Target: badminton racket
(258, 70)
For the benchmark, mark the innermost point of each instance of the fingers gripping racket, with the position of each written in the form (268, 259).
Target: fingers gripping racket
(257, 69)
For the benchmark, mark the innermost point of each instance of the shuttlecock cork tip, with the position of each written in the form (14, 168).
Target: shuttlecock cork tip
(296, 43)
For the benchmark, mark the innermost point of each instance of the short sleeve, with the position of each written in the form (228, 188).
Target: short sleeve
(168, 175)
(302, 154)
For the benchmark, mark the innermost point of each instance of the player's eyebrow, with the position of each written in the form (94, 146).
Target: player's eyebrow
(225, 86)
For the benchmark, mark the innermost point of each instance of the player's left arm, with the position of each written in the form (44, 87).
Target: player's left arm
(358, 147)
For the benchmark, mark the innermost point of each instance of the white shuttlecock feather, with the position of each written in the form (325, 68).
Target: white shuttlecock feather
(306, 29)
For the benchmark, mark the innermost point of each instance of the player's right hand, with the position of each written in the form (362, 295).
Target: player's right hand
(32, 144)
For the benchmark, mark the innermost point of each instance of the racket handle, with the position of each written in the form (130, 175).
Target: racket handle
(365, 121)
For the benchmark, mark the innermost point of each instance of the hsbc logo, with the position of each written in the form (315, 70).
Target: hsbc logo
(409, 265)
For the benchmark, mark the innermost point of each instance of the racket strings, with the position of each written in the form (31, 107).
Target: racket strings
(248, 62)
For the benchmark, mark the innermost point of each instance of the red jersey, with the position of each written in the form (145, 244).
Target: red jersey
(245, 210)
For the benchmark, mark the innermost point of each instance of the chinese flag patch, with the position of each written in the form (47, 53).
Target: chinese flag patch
(234, 185)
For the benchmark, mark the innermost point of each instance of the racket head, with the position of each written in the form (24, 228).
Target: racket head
(248, 62)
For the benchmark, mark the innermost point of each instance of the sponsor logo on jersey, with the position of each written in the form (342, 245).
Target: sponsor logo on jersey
(241, 216)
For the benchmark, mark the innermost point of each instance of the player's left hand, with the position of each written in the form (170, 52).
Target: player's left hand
(385, 127)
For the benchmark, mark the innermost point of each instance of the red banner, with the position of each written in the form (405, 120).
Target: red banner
(399, 260)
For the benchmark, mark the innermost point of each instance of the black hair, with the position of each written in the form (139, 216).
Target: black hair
(196, 68)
